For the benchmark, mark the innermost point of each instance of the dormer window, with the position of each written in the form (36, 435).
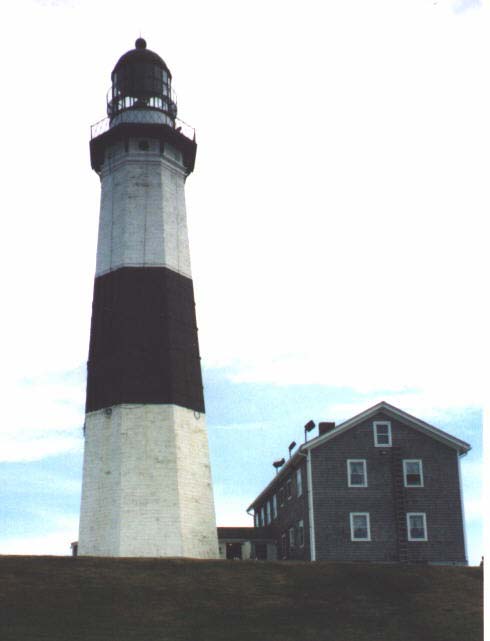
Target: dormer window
(382, 433)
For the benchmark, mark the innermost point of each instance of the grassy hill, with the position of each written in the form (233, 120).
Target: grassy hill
(89, 599)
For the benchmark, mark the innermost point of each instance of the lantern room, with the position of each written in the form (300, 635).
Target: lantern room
(141, 89)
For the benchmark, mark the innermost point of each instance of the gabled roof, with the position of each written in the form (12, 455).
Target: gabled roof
(394, 412)
(391, 411)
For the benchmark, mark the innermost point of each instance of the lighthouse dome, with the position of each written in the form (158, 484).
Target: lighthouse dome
(141, 80)
(140, 55)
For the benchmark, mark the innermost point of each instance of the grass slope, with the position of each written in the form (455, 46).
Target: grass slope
(90, 599)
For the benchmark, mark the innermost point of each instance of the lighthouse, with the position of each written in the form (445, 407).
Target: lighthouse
(147, 487)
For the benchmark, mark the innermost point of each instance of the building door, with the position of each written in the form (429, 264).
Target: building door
(233, 551)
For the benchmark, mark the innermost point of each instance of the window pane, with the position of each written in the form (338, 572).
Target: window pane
(301, 539)
(292, 538)
(413, 467)
(413, 479)
(356, 471)
(417, 530)
(359, 526)
(413, 473)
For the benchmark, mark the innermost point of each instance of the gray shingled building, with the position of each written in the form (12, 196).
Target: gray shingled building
(383, 486)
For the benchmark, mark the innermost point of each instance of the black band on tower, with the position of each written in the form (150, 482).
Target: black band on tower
(143, 341)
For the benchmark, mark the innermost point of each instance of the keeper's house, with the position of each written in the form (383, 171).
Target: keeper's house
(383, 486)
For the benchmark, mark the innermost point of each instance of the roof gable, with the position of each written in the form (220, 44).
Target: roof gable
(394, 412)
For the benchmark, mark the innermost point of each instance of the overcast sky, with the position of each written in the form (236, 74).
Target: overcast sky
(336, 220)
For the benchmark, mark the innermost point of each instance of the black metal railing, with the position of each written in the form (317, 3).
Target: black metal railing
(146, 116)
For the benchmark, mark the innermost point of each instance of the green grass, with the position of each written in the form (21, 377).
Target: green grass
(92, 599)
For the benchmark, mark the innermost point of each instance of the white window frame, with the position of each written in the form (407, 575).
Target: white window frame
(283, 545)
(292, 538)
(351, 518)
(257, 518)
(357, 460)
(375, 430)
(301, 534)
(274, 506)
(299, 482)
(405, 474)
(424, 518)
(262, 516)
(268, 512)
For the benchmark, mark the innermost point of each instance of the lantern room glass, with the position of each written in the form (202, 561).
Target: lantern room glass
(138, 84)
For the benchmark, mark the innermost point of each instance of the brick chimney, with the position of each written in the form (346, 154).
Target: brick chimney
(323, 428)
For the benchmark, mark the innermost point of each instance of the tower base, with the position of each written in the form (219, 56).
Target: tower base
(147, 484)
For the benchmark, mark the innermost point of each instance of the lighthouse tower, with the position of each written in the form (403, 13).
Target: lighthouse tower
(146, 474)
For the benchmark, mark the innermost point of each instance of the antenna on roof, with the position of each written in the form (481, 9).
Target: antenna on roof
(291, 447)
(308, 427)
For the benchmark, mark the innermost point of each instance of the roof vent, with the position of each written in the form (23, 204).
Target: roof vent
(325, 427)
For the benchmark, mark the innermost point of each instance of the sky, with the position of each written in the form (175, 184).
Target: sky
(336, 224)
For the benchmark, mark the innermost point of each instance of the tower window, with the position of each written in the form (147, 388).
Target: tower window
(144, 145)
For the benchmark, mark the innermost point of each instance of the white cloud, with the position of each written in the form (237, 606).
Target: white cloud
(230, 511)
(55, 543)
(62, 531)
(459, 6)
(429, 407)
(43, 417)
(245, 426)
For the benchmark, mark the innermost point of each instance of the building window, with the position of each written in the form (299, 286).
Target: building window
(356, 473)
(262, 516)
(359, 526)
(268, 512)
(301, 534)
(382, 433)
(281, 496)
(412, 473)
(299, 483)
(257, 518)
(289, 491)
(274, 506)
(292, 538)
(416, 526)
(283, 546)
